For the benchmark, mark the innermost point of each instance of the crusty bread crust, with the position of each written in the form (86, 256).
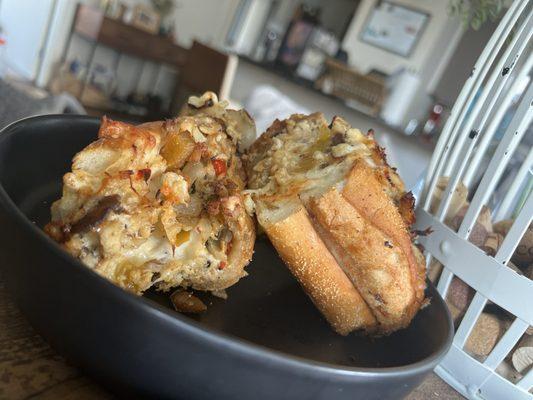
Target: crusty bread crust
(364, 192)
(318, 273)
(369, 258)
(358, 209)
(161, 204)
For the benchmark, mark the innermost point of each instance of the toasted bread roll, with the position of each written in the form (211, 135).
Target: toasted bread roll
(370, 260)
(160, 204)
(357, 210)
(318, 273)
(365, 193)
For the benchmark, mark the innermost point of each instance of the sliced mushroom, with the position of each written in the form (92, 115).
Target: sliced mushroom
(186, 302)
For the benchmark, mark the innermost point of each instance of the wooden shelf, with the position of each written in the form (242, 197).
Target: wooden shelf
(93, 25)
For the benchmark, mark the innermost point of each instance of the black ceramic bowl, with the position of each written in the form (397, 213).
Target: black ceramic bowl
(267, 341)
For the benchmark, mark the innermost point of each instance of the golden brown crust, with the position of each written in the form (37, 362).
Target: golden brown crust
(406, 207)
(160, 204)
(363, 222)
(375, 265)
(319, 274)
(364, 192)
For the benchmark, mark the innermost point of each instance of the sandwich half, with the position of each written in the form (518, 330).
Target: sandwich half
(339, 217)
(161, 204)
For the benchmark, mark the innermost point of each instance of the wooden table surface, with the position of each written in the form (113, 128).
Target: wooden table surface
(30, 369)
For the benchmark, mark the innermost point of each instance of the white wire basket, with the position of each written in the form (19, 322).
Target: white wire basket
(485, 153)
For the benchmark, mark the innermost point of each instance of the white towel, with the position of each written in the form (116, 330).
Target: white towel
(265, 103)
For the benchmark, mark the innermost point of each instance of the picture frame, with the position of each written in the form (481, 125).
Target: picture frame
(145, 18)
(394, 27)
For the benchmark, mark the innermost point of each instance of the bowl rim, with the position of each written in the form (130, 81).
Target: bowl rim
(201, 332)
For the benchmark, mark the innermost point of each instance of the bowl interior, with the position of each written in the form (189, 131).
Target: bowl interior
(266, 308)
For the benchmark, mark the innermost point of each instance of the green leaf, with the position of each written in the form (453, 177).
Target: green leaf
(493, 14)
(475, 23)
(499, 6)
(484, 15)
(474, 13)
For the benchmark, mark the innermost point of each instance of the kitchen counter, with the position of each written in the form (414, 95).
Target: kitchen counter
(29, 368)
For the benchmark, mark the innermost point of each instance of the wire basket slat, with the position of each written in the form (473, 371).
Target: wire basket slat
(445, 281)
(477, 375)
(488, 98)
(501, 157)
(452, 251)
(514, 133)
(499, 388)
(479, 116)
(477, 381)
(503, 106)
(506, 344)
(481, 110)
(467, 97)
(526, 382)
(496, 172)
(516, 232)
(469, 320)
(519, 180)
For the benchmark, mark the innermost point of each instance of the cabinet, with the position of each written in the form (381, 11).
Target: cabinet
(91, 24)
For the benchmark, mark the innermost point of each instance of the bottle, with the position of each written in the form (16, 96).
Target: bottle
(433, 120)
(3, 61)
(297, 35)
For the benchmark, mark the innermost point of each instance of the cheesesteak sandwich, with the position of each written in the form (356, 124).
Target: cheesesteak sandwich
(161, 204)
(338, 215)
